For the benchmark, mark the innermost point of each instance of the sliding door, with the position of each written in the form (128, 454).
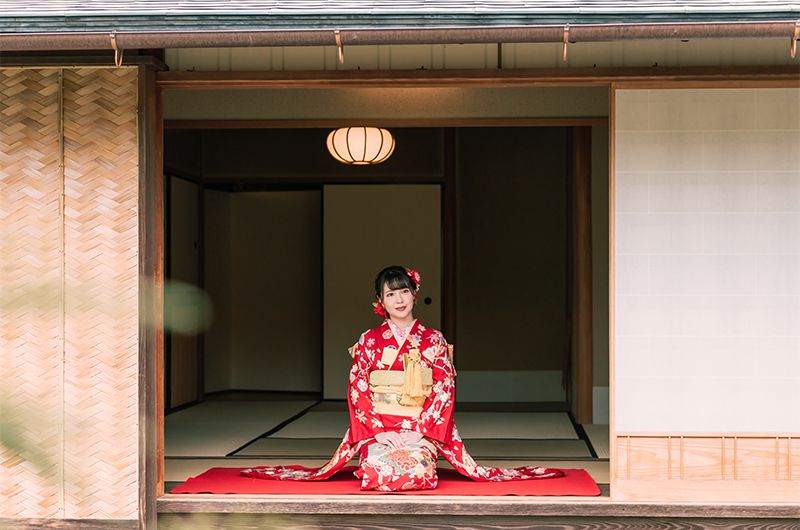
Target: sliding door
(366, 228)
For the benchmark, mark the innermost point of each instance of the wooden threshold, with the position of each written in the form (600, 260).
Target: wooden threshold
(512, 77)
(463, 505)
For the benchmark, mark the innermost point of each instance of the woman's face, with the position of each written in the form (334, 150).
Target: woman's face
(398, 302)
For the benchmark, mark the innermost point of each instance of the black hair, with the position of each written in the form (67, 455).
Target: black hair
(396, 277)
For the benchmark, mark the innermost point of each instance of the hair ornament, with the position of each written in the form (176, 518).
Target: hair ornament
(378, 309)
(414, 275)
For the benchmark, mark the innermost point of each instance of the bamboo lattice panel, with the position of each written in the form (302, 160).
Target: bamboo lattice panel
(30, 296)
(69, 299)
(101, 277)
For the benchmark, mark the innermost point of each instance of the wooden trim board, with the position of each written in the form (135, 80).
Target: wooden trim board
(479, 77)
(151, 269)
(711, 491)
(452, 505)
(391, 122)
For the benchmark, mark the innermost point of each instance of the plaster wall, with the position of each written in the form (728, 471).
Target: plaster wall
(707, 254)
(263, 253)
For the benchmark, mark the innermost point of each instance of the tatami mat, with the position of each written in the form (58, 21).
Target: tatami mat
(322, 447)
(330, 424)
(302, 447)
(598, 436)
(215, 428)
(523, 425)
(330, 406)
(471, 425)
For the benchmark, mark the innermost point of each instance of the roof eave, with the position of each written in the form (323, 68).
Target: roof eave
(98, 40)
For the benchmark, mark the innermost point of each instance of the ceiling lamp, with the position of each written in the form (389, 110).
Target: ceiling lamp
(360, 145)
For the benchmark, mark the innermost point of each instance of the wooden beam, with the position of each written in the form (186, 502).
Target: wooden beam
(82, 524)
(745, 75)
(613, 457)
(420, 505)
(242, 521)
(450, 224)
(582, 240)
(158, 186)
(151, 254)
(103, 60)
(391, 122)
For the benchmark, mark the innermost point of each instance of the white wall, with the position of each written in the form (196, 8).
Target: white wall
(522, 55)
(217, 274)
(707, 319)
(262, 263)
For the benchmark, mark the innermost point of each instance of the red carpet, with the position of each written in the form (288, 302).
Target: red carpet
(228, 480)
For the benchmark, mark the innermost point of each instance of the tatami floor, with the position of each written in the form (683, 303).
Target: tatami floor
(247, 432)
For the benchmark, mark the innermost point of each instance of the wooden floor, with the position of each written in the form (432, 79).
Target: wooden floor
(243, 521)
(387, 512)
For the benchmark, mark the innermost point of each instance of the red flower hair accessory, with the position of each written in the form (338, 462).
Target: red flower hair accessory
(414, 275)
(378, 309)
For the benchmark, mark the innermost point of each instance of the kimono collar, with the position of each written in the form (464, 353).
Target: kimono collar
(400, 334)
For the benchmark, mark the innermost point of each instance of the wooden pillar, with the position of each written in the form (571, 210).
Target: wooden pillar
(151, 270)
(582, 253)
(449, 223)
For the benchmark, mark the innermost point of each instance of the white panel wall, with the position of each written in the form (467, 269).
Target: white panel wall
(707, 260)
(523, 55)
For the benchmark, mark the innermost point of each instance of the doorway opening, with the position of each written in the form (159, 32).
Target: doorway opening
(286, 243)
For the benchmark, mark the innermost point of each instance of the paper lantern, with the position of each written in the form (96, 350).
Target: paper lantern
(360, 145)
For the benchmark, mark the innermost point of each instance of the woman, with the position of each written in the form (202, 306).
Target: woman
(401, 401)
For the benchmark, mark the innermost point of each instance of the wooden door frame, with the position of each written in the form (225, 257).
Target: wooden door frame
(612, 78)
(582, 407)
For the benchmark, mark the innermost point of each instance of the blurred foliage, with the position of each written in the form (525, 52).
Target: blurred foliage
(187, 310)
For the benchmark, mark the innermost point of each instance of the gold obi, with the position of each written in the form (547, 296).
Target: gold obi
(388, 396)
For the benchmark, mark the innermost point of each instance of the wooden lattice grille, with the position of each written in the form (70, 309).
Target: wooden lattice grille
(69, 228)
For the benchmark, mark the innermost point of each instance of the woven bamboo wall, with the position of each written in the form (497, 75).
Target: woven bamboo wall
(69, 276)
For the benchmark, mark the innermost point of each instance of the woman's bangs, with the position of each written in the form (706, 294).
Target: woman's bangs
(399, 282)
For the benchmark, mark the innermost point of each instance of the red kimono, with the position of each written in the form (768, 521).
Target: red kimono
(384, 349)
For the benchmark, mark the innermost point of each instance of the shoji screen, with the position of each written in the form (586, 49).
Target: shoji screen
(707, 291)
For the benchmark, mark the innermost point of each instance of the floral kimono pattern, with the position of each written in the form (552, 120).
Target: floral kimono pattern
(381, 348)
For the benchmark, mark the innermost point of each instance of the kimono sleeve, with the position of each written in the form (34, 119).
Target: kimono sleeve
(364, 421)
(436, 419)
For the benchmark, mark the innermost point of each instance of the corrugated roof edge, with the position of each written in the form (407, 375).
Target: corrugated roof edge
(662, 10)
(59, 24)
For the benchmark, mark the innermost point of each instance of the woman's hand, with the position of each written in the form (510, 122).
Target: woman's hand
(398, 440)
(392, 439)
(410, 437)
